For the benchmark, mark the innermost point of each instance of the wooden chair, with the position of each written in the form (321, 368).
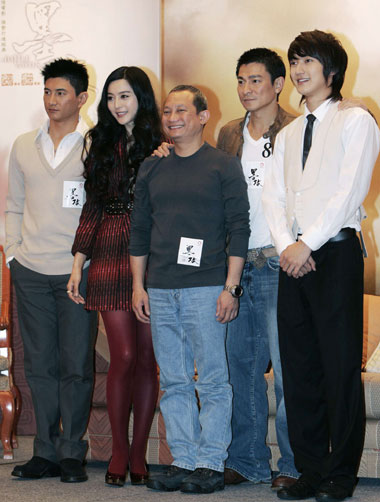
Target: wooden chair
(9, 394)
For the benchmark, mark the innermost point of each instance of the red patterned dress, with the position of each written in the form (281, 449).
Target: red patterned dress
(104, 239)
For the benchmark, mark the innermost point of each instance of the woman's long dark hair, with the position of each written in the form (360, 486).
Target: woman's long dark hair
(108, 135)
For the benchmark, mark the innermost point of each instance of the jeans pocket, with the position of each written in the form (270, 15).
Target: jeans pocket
(274, 263)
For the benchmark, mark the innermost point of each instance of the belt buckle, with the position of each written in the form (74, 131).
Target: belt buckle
(258, 258)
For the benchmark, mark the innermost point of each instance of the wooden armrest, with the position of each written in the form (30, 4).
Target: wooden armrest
(5, 280)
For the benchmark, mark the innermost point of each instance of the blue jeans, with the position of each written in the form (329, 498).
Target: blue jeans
(184, 331)
(252, 341)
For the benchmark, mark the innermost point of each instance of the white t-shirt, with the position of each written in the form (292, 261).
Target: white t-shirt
(256, 159)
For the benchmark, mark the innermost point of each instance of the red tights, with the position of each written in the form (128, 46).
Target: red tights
(131, 381)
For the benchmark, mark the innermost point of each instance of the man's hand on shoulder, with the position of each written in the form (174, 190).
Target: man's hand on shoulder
(227, 307)
(296, 261)
(163, 150)
(347, 103)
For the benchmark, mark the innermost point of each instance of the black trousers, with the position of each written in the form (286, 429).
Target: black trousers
(320, 319)
(58, 338)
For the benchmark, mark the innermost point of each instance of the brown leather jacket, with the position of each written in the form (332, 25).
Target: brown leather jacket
(231, 139)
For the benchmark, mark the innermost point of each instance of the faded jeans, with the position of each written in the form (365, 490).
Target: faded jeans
(252, 341)
(184, 331)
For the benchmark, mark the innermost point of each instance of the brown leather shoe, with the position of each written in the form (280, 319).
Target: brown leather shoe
(282, 482)
(232, 477)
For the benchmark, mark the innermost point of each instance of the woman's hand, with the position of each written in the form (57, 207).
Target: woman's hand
(75, 279)
(163, 150)
(73, 287)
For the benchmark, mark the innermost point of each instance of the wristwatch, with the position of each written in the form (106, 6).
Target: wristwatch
(236, 291)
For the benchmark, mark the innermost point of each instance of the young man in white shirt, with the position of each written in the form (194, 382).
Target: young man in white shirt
(45, 197)
(312, 199)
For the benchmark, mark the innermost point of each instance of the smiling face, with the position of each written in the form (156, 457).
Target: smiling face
(307, 76)
(122, 103)
(60, 100)
(255, 88)
(180, 119)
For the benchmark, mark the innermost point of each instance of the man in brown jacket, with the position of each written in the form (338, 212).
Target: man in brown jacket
(252, 339)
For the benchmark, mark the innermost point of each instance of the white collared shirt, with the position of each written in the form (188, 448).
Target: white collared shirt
(54, 158)
(358, 141)
(319, 114)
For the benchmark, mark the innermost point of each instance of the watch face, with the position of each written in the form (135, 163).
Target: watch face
(237, 291)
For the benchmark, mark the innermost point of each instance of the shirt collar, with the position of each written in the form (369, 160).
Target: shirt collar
(273, 129)
(321, 111)
(80, 129)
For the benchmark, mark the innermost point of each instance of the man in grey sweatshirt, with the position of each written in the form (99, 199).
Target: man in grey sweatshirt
(185, 207)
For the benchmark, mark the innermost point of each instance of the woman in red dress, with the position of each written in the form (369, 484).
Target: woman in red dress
(128, 130)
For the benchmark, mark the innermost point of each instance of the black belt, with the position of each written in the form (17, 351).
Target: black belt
(345, 233)
(114, 206)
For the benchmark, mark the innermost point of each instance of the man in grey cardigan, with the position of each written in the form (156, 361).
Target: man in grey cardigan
(45, 196)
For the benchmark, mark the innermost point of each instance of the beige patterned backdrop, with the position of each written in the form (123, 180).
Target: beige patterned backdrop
(203, 39)
(104, 34)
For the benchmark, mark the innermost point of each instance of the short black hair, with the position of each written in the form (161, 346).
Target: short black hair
(73, 71)
(199, 99)
(329, 52)
(273, 63)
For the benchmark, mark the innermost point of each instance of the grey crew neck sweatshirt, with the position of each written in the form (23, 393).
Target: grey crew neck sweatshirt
(203, 196)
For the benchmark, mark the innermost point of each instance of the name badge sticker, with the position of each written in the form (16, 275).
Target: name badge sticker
(190, 252)
(73, 192)
(256, 174)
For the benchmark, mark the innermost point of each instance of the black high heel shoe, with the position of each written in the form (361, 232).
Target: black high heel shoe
(139, 479)
(114, 479)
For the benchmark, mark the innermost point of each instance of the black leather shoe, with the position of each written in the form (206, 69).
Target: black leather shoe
(72, 471)
(36, 468)
(330, 491)
(203, 480)
(301, 490)
(170, 480)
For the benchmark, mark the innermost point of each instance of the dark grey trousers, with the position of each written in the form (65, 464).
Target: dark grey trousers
(59, 338)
